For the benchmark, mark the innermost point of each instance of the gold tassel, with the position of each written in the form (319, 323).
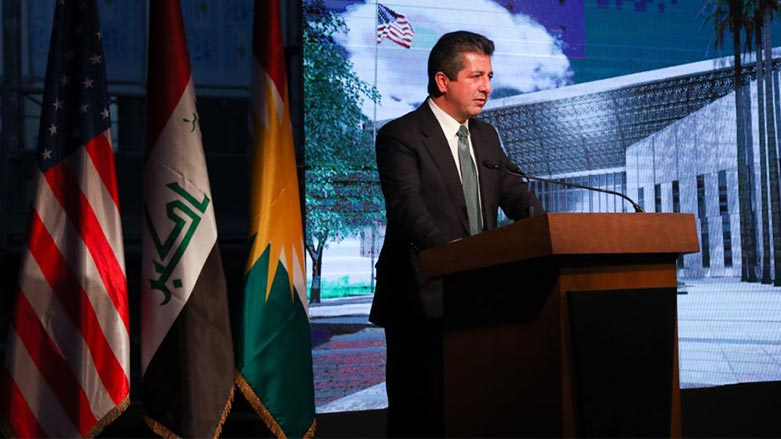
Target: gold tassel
(164, 432)
(225, 411)
(263, 412)
(110, 417)
(160, 429)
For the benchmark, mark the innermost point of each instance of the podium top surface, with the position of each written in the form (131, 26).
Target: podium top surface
(566, 234)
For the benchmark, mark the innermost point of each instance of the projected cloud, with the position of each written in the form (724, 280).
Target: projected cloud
(527, 56)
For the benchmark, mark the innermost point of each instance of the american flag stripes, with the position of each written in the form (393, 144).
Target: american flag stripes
(66, 371)
(393, 26)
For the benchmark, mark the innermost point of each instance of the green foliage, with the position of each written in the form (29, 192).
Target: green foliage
(735, 17)
(342, 191)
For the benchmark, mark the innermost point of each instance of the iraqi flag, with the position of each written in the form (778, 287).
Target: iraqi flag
(66, 370)
(273, 347)
(186, 349)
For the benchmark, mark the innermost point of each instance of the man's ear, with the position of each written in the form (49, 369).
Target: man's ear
(441, 79)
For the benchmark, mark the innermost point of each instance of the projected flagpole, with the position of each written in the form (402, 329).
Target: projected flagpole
(376, 54)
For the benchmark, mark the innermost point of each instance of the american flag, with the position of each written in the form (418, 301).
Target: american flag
(66, 371)
(393, 26)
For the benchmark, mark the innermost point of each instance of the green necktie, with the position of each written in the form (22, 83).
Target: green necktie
(469, 182)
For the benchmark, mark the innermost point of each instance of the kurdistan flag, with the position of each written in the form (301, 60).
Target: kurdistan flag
(186, 349)
(273, 347)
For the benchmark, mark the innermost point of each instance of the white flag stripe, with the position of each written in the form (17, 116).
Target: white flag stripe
(400, 34)
(74, 250)
(177, 156)
(91, 185)
(38, 395)
(67, 338)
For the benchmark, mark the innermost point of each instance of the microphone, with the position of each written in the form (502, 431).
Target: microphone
(513, 169)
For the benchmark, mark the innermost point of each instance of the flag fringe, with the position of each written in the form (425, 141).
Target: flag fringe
(225, 411)
(110, 417)
(160, 429)
(164, 432)
(263, 412)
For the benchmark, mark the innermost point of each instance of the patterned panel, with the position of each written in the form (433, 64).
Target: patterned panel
(591, 131)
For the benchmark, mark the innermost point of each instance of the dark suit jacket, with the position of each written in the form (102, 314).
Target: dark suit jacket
(425, 207)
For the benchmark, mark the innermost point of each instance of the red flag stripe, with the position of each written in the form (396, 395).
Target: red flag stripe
(52, 366)
(393, 32)
(102, 155)
(81, 214)
(67, 337)
(171, 73)
(74, 299)
(36, 391)
(73, 250)
(267, 43)
(83, 166)
(22, 421)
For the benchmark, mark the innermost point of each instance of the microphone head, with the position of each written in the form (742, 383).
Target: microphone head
(490, 165)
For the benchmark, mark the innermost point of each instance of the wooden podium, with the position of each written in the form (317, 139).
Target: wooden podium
(563, 325)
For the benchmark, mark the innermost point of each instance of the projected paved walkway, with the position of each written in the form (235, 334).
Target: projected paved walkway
(729, 332)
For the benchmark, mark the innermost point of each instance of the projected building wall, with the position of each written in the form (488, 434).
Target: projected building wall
(666, 138)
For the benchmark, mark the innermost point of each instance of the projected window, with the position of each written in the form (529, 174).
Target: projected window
(726, 230)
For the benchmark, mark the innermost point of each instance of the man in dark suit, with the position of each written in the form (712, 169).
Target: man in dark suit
(436, 191)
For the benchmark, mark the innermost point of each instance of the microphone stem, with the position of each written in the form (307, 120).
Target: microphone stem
(575, 185)
(636, 206)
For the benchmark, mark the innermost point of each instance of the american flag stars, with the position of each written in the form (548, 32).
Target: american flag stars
(393, 26)
(69, 379)
(77, 108)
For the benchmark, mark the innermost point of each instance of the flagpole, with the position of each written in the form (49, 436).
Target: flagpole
(376, 51)
(374, 127)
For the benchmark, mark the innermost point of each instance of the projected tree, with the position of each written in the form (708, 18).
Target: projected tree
(753, 18)
(342, 189)
(732, 18)
(768, 115)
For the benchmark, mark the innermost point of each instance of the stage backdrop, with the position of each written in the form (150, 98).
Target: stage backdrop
(636, 96)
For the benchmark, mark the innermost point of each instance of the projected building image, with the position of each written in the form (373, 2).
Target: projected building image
(634, 96)
(618, 103)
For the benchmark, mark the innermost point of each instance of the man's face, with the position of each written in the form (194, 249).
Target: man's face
(465, 96)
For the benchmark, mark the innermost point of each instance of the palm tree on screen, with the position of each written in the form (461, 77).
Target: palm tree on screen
(732, 18)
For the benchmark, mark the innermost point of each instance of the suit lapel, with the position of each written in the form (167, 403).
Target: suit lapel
(487, 192)
(437, 146)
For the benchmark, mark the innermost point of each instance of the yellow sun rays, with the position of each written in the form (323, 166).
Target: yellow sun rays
(275, 214)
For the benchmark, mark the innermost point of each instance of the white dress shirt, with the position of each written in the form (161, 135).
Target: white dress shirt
(450, 127)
